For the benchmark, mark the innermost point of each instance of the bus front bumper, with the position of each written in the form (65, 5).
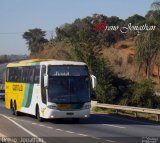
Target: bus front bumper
(49, 114)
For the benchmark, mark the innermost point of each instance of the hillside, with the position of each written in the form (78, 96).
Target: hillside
(121, 59)
(120, 56)
(59, 51)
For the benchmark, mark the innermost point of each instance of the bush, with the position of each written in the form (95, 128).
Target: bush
(143, 94)
(126, 99)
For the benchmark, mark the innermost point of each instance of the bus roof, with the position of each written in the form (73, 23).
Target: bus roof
(43, 61)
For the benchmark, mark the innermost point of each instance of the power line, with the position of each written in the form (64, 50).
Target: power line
(10, 33)
(14, 33)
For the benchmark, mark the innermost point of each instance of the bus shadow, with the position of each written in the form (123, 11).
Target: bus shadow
(107, 119)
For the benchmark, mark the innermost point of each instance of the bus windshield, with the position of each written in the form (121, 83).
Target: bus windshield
(68, 84)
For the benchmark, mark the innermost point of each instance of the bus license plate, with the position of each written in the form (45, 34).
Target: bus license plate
(63, 107)
(70, 113)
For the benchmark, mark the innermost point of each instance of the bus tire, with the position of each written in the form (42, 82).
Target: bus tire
(15, 109)
(12, 109)
(38, 114)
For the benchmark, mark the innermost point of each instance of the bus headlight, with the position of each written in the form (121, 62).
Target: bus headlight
(52, 107)
(87, 107)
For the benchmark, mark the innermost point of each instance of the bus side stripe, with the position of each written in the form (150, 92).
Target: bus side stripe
(25, 95)
(30, 92)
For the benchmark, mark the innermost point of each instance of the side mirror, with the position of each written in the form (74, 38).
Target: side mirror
(46, 81)
(93, 81)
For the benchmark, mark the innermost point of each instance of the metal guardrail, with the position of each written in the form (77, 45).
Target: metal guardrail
(135, 110)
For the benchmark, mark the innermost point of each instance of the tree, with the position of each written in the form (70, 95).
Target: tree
(135, 19)
(35, 39)
(154, 16)
(147, 43)
(147, 49)
(91, 55)
(157, 63)
(156, 5)
(89, 27)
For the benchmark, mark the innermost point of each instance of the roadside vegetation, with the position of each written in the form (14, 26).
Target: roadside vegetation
(80, 41)
(3, 59)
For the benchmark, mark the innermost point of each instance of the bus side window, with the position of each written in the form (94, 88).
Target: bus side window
(11, 74)
(36, 74)
(19, 74)
(31, 74)
(43, 89)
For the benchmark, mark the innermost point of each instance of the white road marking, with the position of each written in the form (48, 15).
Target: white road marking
(111, 141)
(49, 127)
(115, 126)
(83, 135)
(29, 132)
(132, 120)
(70, 132)
(96, 138)
(24, 129)
(32, 134)
(59, 129)
(2, 135)
(41, 125)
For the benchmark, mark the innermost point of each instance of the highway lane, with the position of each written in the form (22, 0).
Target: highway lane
(7, 128)
(98, 128)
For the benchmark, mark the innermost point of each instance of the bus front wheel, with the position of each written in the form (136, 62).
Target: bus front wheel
(38, 115)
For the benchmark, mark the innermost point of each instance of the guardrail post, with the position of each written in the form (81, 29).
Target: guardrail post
(93, 104)
(116, 111)
(157, 117)
(135, 114)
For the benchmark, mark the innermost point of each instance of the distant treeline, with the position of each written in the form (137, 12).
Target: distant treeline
(3, 59)
(11, 58)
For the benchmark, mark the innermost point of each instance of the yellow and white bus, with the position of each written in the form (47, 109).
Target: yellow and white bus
(49, 89)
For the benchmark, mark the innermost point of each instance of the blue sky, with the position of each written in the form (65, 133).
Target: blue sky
(17, 16)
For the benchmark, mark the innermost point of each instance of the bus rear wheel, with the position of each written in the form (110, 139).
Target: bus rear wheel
(38, 115)
(14, 109)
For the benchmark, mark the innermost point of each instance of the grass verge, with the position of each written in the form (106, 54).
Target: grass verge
(143, 116)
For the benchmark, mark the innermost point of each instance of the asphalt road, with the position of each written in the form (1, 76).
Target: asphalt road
(97, 129)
